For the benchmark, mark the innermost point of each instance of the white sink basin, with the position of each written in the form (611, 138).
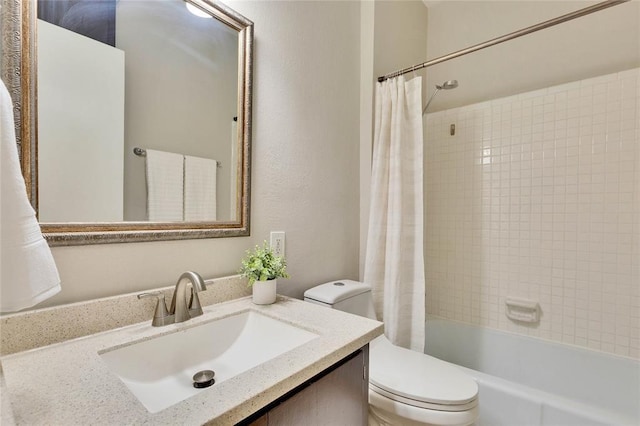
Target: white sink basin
(159, 371)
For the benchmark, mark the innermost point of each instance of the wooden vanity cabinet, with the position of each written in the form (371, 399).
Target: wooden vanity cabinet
(337, 396)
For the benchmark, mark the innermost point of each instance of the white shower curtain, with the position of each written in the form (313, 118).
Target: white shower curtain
(394, 264)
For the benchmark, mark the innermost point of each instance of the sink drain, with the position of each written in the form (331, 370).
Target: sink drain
(203, 379)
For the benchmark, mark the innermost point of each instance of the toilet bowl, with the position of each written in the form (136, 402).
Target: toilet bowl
(405, 387)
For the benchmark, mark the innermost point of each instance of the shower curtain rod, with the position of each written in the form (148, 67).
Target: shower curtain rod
(546, 24)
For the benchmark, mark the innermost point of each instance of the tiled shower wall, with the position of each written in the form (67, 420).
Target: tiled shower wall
(537, 196)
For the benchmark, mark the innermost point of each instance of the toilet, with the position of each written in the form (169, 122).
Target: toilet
(405, 387)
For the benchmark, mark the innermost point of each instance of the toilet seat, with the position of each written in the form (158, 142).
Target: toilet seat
(413, 378)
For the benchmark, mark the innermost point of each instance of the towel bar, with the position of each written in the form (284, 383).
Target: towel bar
(141, 152)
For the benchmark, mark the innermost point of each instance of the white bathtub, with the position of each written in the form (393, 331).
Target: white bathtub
(525, 381)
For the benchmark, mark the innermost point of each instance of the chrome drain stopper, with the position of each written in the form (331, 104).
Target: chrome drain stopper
(203, 379)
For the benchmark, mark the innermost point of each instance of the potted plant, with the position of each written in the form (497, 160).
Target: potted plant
(262, 268)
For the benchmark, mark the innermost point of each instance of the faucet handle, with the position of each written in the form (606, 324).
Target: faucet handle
(161, 315)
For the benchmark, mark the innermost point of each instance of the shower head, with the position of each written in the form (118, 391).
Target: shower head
(449, 84)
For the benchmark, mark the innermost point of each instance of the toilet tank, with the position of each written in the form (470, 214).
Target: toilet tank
(345, 295)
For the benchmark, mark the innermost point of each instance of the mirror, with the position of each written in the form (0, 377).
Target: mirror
(137, 124)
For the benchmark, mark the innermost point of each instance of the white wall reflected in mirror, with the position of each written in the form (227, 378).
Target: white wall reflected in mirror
(170, 83)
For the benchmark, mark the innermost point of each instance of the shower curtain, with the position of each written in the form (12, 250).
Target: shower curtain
(394, 262)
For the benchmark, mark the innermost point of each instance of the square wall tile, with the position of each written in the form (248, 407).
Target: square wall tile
(538, 197)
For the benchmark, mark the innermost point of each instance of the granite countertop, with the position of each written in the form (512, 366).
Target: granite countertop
(69, 383)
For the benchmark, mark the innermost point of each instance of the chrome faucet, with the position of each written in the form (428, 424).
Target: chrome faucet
(181, 310)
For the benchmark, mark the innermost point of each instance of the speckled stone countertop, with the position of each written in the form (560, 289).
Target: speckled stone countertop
(69, 383)
(32, 329)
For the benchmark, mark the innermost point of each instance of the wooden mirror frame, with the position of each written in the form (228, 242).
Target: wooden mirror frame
(19, 73)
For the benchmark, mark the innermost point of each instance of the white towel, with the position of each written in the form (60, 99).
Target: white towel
(199, 188)
(164, 186)
(28, 273)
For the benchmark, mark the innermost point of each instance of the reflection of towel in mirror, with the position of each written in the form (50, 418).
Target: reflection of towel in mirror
(164, 186)
(28, 273)
(199, 188)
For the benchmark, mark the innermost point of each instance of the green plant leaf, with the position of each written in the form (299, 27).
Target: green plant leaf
(262, 265)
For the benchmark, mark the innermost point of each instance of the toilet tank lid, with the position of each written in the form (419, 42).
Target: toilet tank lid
(336, 291)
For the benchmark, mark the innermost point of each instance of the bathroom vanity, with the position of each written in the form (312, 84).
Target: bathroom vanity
(338, 395)
(324, 375)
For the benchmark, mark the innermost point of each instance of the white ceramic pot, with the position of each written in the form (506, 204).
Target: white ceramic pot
(264, 292)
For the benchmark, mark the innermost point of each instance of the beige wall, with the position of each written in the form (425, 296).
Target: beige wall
(305, 164)
(80, 98)
(605, 42)
(400, 35)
